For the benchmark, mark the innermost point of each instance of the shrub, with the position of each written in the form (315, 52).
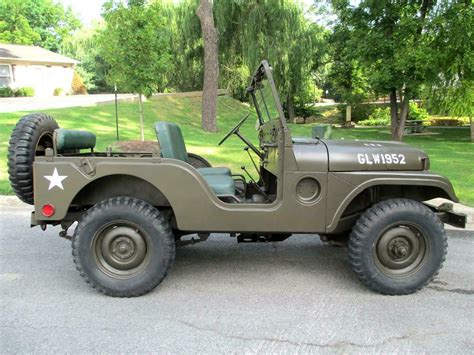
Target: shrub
(379, 114)
(380, 117)
(58, 92)
(77, 86)
(302, 110)
(416, 112)
(6, 92)
(360, 111)
(24, 91)
(454, 122)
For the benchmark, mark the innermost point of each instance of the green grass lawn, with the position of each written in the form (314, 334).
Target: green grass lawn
(450, 151)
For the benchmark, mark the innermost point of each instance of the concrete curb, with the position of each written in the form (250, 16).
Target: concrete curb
(14, 202)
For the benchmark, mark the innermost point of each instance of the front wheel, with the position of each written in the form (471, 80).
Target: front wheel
(123, 247)
(397, 247)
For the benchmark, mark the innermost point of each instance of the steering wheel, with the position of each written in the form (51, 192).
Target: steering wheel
(235, 129)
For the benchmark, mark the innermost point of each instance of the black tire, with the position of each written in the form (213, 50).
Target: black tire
(31, 136)
(123, 247)
(198, 161)
(397, 247)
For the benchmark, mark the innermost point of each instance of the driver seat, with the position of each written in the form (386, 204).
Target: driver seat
(172, 146)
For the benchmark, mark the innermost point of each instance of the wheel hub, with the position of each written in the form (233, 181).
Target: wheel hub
(400, 250)
(123, 247)
(120, 249)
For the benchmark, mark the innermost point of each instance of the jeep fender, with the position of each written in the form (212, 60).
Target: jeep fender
(348, 185)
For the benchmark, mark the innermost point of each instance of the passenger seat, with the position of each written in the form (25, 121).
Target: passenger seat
(172, 146)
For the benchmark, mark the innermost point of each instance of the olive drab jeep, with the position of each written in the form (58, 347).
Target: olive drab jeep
(134, 208)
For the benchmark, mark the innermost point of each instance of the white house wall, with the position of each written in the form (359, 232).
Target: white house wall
(42, 78)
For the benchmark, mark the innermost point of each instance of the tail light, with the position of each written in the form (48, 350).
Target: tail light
(48, 210)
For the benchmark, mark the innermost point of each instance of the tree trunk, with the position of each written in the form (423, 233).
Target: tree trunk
(291, 109)
(140, 112)
(393, 112)
(472, 128)
(398, 136)
(211, 66)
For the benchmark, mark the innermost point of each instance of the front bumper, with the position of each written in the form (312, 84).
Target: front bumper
(446, 214)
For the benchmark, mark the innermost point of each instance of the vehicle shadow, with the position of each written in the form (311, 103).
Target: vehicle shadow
(301, 259)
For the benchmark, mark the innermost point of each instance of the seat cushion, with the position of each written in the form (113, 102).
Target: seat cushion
(69, 139)
(171, 141)
(222, 185)
(215, 171)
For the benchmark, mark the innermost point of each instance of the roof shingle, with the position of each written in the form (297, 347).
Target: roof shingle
(17, 52)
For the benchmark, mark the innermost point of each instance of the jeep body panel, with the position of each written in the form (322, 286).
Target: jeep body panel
(344, 187)
(349, 155)
(303, 207)
(190, 198)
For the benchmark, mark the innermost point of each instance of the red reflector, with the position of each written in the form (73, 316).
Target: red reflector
(48, 210)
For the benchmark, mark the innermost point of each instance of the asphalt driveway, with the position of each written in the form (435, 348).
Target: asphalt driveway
(294, 296)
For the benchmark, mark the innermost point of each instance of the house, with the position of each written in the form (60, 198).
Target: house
(31, 66)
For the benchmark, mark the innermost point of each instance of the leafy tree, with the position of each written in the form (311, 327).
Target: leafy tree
(346, 75)
(274, 30)
(36, 22)
(135, 43)
(394, 43)
(451, 92)
(186, 46)
(249, 32)
(92, 67)
(14, 26)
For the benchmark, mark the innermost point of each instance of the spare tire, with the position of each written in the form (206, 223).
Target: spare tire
(31, 136)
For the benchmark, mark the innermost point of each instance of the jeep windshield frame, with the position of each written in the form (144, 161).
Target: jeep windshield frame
(265, 96)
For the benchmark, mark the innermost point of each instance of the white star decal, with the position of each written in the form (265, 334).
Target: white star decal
(55, 180)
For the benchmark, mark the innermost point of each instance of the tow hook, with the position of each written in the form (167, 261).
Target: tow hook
(63, 234)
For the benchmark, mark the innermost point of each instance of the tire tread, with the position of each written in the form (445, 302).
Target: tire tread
(363, 226)
(21, 153)
(143, 208)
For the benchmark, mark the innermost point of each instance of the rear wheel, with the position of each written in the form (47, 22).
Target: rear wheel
(123, 247)
(397, 247)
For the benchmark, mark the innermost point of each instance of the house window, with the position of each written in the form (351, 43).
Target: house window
(5, 75)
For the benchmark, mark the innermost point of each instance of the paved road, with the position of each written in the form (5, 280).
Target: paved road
(13, 104)
(295, 296)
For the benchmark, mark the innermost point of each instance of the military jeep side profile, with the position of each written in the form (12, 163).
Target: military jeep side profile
(133, 208)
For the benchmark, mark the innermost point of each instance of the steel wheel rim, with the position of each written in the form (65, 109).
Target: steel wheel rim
(44, 141)
(401, 250)
(121, 249)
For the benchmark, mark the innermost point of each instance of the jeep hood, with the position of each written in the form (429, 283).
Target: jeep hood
(349, 155)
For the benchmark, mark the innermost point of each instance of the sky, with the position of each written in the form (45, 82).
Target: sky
(86, 10)
(89, 10)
